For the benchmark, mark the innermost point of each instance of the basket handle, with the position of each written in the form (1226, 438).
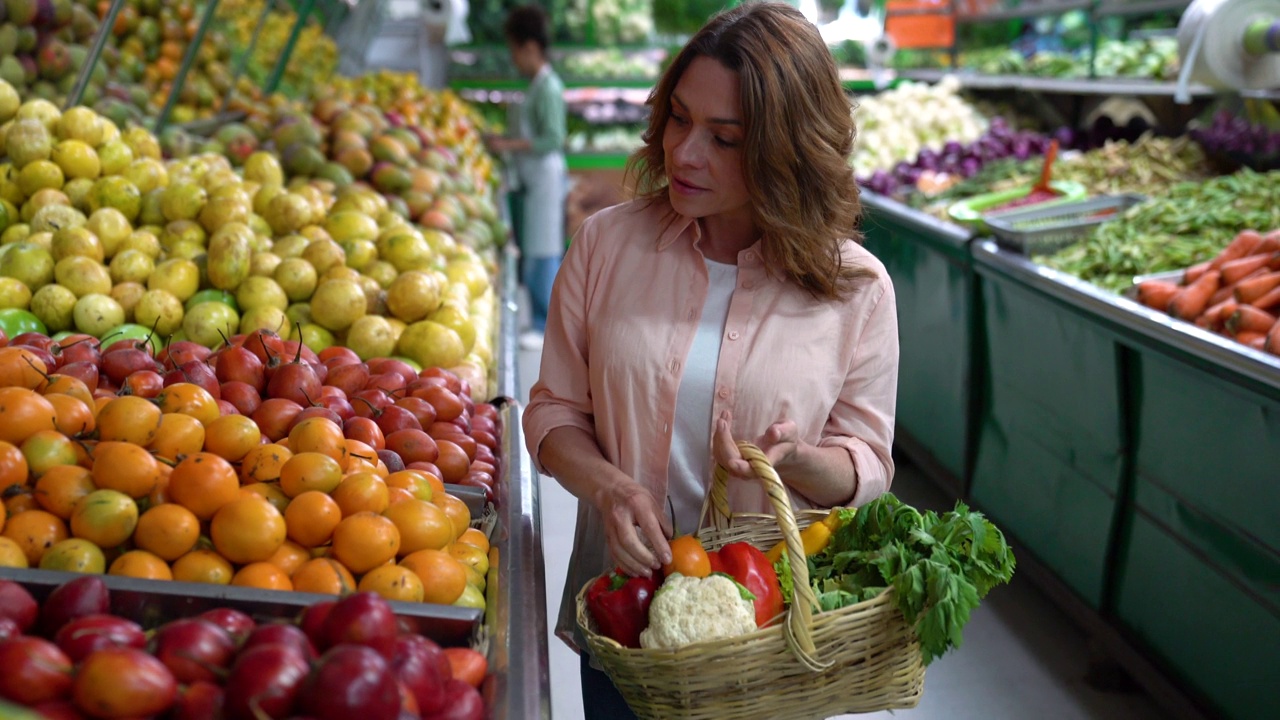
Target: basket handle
(803, 602)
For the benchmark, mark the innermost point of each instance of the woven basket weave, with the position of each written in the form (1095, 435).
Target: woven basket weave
(861, 658)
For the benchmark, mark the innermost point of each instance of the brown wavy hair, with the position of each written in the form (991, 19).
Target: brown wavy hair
(798, 134)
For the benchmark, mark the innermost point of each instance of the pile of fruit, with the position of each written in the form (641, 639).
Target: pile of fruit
(72, 658)
(243, 466)
(310, 68)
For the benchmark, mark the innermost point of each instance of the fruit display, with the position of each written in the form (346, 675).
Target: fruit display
(43, 45)
(257, 464)
(70, 656)
(1236, 294)
(1241, 142)
(100, 232)
(309, 69)
(1187, 225)
(897, 125)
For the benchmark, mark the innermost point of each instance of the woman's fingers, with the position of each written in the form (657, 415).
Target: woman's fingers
(725, 449)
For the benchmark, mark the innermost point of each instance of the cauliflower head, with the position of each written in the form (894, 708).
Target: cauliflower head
(687, 610)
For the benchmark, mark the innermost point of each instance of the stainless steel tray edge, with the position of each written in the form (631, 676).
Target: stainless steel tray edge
(1247, 363)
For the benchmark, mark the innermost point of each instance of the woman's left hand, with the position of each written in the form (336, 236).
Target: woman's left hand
(779, 442)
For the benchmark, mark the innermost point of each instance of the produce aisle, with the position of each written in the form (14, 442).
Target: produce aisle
(1021, 656)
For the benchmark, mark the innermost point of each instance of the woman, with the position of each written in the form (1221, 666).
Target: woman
(729, 301)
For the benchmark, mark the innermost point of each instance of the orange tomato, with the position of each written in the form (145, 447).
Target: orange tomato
(323, 575)
(467, 665)
(71, 416)
(262, 575)
(21, 368)
(311, 518)
(458, 512)
(35, 531)
(129, 419)
(231, 437)
(247, 530)
(393, 582)
(167, 531)
(48, 449)
(263, 463)
(422, 526)
(189, 399)
(203, 566)
(140, 564)
(203, 483)
(319, 435)
(24, 413)
(125, 467)
(13, 465)
(290, 557)
(688, 557)
(59, 489)
(177, 437)
(271, 492)
(69, 386)
(361, 492)
(105, 518)
(364, 541)
(309, 471)
(443, 577)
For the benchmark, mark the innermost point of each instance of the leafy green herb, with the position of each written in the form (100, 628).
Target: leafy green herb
(742, 589)
(940, 567)
(785, 581)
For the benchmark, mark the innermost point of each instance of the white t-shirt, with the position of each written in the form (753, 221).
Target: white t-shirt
(689, 469)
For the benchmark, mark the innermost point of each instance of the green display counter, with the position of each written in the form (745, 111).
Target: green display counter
(932, 275)
(1183, 440)
(1050, 452)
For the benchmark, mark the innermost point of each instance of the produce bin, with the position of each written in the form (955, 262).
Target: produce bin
(929, 263)
(1050, 448)
(1198, 573)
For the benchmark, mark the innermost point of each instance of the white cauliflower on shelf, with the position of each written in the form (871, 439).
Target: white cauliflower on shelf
(686, 610)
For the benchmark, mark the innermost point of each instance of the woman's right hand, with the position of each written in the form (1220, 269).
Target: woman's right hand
(635, 527)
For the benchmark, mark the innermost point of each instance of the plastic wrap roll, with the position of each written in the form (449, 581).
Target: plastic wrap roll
(1212, 48)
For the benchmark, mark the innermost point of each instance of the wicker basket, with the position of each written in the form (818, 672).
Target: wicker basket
(860, 658)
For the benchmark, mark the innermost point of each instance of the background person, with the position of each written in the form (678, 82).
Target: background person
(537, 153)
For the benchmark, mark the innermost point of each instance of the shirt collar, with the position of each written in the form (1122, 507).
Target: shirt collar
(682, 224)
(542, 73)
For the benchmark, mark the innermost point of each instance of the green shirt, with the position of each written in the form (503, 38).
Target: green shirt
(545, 112)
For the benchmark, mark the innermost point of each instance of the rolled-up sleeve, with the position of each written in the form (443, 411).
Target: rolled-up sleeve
(562, 395)
(862, 419)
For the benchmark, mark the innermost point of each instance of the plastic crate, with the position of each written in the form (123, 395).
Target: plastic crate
(1037, 231)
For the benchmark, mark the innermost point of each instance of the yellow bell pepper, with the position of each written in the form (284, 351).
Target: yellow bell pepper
(815, 538)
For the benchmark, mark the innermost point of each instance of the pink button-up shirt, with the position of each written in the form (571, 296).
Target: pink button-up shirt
(624, 311)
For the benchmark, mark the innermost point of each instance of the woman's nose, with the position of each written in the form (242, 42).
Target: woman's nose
(691, 151)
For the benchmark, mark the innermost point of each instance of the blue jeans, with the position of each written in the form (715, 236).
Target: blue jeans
(600, 698)
(539, 275)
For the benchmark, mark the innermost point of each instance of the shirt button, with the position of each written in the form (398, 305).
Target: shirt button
(690, 314)
(666, 427)
(733, 335)
(723, 394)
(673, 365)
(747, 285)
(751, 255)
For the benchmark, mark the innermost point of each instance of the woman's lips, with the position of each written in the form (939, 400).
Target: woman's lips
(685, 188)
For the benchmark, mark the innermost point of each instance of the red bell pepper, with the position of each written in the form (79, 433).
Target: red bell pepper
(746, 564)
(619, 604)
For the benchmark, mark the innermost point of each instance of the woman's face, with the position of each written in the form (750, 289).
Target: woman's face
(702, 142)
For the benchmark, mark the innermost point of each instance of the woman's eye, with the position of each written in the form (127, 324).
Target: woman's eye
(679, 120)
(725, 143)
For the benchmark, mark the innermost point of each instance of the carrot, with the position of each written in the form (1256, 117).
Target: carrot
(1194, 298)
(1246, 291)
(1156, 293)
(1268, 301)
(1237, 270)
(1248, 318)
(1254, 340)
(1243, 245)
(1272, 344)
(1275, 262)
(1224, 293)
(1270, 243)
(1194, 272)
(1216, 315)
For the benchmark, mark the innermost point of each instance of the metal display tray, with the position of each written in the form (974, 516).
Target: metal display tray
(1041, 230)
(151, 603)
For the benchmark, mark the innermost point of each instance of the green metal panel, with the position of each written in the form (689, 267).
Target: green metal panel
(1050, 457)
(932, 280)
(1212, 443)
(1221, 640)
